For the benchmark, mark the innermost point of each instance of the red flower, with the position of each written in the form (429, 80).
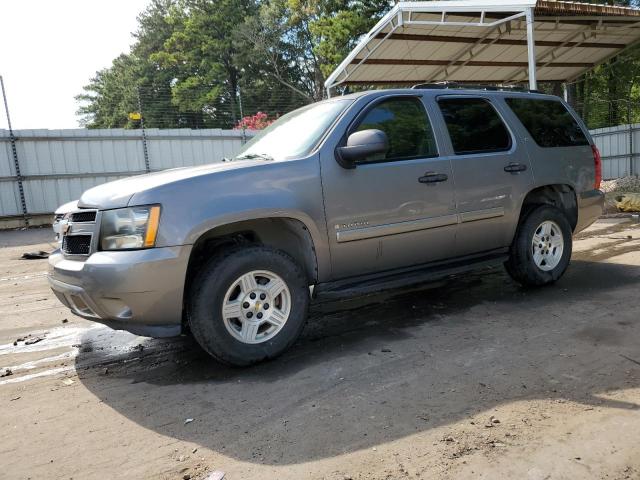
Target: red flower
(259, 121)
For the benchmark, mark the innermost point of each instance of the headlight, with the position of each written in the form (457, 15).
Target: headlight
(129, 228)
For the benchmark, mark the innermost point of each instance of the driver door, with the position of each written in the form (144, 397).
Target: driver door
(392, 210)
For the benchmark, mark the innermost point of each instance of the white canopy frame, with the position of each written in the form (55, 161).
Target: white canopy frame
(495, 19)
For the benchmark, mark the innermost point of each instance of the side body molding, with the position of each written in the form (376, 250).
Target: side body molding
(362, 233)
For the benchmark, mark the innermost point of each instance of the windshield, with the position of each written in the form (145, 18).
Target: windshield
(296, 133)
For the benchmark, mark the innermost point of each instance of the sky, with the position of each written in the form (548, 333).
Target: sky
(49, 49)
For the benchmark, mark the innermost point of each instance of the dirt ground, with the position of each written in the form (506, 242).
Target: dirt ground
(469, 378)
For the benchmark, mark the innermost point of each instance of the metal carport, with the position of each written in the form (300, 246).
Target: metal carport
(488, 41)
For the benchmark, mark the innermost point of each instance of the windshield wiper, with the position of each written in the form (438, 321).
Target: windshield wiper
(253, 156)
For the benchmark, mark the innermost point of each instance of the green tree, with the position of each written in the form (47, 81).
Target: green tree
(338, 33)
(110, 96)
(192, 59)
(113, 92)
(156, 25)
(605, 95)
(302, 41)
(204, 55)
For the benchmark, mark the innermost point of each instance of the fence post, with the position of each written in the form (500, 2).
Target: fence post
(244, 128)
(145, 151)
(14, 151)
(630, 137)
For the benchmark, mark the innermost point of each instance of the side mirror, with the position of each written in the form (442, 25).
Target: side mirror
(361, 145)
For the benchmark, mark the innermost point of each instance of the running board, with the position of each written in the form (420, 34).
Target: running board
(374, 283)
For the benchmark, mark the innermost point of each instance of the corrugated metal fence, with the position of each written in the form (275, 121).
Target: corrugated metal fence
(56, 166)
(620, 150)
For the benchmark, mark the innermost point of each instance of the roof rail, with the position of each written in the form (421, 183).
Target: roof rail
(456, 85)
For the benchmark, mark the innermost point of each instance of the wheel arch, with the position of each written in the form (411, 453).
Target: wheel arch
(561, 196)
(288, 234)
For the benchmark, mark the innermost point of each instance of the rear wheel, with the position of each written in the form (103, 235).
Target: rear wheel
(248, 305)
(541, 250)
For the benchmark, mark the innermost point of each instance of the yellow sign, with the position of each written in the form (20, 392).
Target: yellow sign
(135, 116)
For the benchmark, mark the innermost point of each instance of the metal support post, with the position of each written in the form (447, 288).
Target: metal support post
(631, 153)
(531, 50)
(244, 128)
(16, 164)
(145, 150)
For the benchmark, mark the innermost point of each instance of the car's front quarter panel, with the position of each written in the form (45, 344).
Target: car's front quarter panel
(286, 189)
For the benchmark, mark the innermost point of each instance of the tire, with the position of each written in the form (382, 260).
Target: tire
(242, 336)
(528, 264)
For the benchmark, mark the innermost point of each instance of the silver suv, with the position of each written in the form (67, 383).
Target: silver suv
(349, 195)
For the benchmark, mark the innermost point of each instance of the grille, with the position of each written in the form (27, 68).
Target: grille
(83, 216)
(76, 244)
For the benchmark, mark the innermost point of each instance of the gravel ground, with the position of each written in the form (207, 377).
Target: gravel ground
(625, 184)
(469, 378)
(617, 187)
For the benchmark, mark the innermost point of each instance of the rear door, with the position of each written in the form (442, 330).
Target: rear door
(559, 148)
(491, 171)
(396, 209)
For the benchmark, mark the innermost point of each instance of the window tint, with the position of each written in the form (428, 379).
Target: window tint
(405, 122)
(474, 126)
(548, 122)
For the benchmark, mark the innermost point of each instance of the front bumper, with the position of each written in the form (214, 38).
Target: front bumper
(140, 291)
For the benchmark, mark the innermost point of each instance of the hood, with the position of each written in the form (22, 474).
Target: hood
(118, 193)
(67, 207)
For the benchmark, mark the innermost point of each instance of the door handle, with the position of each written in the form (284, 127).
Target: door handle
(433, 177)
(515, 168)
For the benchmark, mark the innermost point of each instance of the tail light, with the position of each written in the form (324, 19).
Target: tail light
(597, 160)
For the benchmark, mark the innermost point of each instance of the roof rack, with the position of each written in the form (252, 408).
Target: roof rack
(456, 85)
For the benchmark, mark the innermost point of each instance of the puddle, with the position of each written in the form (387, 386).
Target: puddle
(80, 347)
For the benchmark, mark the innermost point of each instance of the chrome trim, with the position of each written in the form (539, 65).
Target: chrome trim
(476, 215)
(84, 228)
(351, 234)
(395, 228)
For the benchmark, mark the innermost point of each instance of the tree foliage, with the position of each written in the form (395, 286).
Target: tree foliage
(609, 95)
(210, 63)
(113, 93)
(207, 63)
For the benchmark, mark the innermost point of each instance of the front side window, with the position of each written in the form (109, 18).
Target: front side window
(548, 122)
(408, 129)
(474, 126)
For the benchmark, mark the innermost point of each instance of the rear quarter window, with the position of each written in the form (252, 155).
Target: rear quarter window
(548, 122)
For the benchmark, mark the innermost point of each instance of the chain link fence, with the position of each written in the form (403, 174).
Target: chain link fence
(615, 128)
(56, 166)
(41, 169)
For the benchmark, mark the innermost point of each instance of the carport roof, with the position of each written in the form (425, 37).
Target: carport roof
(488, 41)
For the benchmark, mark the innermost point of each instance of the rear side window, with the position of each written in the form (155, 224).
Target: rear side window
(548, 122)
(474, 126)
(405, 122)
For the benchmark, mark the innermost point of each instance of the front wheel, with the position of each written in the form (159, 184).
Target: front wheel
(248, 305)
(541, 250)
